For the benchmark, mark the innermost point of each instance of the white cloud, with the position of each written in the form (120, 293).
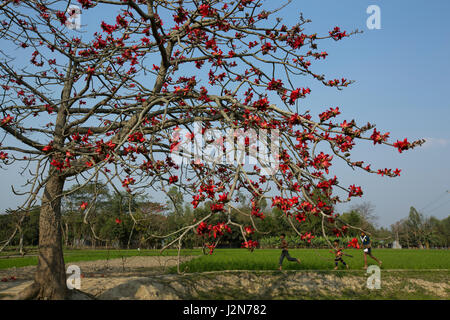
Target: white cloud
(436, 142)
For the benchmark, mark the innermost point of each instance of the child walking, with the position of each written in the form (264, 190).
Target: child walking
(338, 255)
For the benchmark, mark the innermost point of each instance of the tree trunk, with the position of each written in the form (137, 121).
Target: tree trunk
(67, 235)
(50, 277)
(21, 251)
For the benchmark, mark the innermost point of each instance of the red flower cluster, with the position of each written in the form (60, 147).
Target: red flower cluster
(261, 104)
(284, 204)
(211, 248)
(329, 114)
(86, 4)
(58, 164)
(389, 172)
(402, 145)
(249, 230)
(274, 85)
(137, 136)
(127, 182)
(108, 28)
(173, 179)
(220, 229)
(121, 21)
(250, 244)
(336, 34)
(223, 197)
(307, 236)
(206, 10)
(300, 217)
(322, 161)
(47, 148)
(298, 93)
(6, 120)
(180, 16)
(377, 137)
(83, 205)
(353, 243)
(257, 212)
(355, 191)
(266, 47)
(202, 228)
(197, 199)
(216, 207)
(61, 16)
(296, 41)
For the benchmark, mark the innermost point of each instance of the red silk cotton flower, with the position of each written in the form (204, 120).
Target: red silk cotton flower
(83, 205)
(353, 243)
(211, 248)
(173, 179)
(249, 230)
(250, 244)
(118, 221)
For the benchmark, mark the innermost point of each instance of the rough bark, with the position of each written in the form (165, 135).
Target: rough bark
(21, 250)
(50, 278)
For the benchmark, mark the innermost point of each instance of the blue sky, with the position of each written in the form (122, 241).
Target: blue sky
(402, 83)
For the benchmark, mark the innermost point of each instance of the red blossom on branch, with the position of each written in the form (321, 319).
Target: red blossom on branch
(402, 145)
(173, 179)
(336, 34)
(353, 243)
(249, 230)
(206, 10)
(250, 244)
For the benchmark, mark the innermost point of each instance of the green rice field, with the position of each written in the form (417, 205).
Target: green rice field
(262, 259)
(316, 259)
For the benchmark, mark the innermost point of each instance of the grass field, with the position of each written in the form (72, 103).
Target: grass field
(316, 259)
(262, 259)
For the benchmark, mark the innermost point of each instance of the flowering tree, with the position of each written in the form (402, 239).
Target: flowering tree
(85, 107)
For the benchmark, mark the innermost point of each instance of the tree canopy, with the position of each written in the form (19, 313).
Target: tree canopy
(159, 96)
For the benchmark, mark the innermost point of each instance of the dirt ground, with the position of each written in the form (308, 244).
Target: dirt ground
(96, 276)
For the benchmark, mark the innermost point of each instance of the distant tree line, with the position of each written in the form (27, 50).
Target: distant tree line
(419, 231)
(93, 216)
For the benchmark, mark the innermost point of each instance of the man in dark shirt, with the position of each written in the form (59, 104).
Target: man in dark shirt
(285, 252)
(367, 246)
